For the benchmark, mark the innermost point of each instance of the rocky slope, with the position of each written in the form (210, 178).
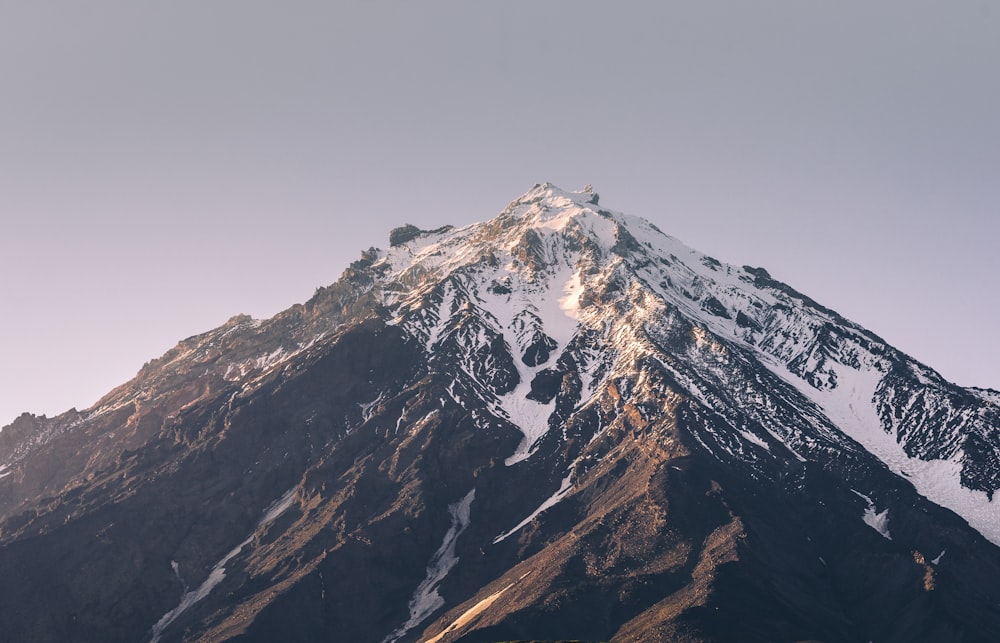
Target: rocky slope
(557, 424)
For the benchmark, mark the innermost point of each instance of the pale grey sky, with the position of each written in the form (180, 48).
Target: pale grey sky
(166, 165)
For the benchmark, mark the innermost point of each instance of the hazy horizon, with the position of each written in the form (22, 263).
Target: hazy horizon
(167, 167)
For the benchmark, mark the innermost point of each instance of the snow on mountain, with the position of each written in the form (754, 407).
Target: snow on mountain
(538, 277)
(653, 440)
(555, 274)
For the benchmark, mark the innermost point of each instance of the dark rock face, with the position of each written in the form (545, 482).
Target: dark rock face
(409, 232)
(716, 307)
(558, 440)
(539, 350)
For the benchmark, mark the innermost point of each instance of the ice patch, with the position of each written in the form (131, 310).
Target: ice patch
(278, 507)
(174, 565)
(218, 573)
(426, 600)
(750, 437)
(564, 488)
(368, 409)
(879, 521)
(190, 598)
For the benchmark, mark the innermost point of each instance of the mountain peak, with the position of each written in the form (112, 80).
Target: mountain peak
(557, 423)
(555, 196)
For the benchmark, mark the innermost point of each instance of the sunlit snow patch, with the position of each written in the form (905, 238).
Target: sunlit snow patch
(474, 611)
(559, 312)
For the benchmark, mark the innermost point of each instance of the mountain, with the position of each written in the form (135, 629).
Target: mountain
(557, 424)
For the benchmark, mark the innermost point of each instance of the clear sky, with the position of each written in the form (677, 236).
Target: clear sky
(166, 165)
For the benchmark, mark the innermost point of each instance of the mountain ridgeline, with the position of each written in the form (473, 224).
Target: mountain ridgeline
(557, 424)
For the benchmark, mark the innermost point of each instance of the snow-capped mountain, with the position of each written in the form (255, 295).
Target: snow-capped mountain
(557, 424)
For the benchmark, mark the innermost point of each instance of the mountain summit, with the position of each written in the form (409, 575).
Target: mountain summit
(557, 424)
